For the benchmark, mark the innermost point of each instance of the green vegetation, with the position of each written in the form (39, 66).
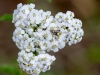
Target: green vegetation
(6, 17)
(9, 69)
(94, 53)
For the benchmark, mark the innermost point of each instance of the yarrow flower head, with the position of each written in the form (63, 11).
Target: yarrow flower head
(38, 32)
(34, 64)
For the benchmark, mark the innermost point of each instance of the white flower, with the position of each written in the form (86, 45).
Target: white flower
(47, 35)
(47, 22)
(38, 35)
(21, 16)
(39, 25)
(31, 6)
(14, 16)
(24, 9)
(34, 64)
(54, 46)
(69, 13)
(67, 18)
(19, 24)
(43, 45)
(29, 31)
(77, 23)
(19, 5)
(59, 16)
(52, 26)
(46, 14)
(38, 32)
(41, 11)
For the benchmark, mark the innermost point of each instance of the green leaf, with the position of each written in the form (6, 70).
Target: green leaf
(6, 17)
(6, 68)
(11, 69)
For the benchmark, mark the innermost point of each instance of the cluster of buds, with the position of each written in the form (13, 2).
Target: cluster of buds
(38, 32)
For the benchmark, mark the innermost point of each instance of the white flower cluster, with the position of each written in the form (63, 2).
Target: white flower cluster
(38, 32)
(34, 64)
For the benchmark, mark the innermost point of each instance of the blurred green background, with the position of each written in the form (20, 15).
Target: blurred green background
(79, 59)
